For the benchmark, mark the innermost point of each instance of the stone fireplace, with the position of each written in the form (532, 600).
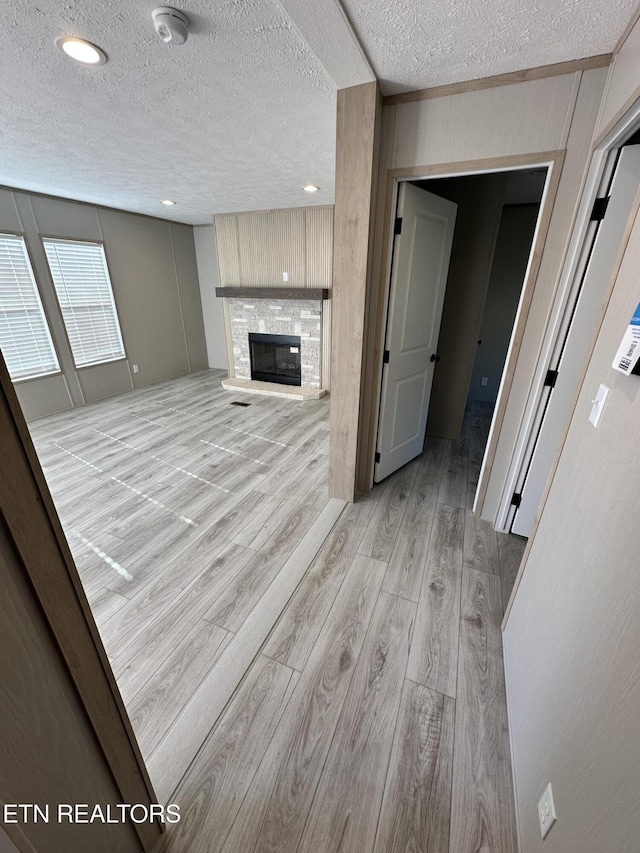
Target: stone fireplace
(295, 313)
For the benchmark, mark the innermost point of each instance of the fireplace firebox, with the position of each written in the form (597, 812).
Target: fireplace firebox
(275, 358)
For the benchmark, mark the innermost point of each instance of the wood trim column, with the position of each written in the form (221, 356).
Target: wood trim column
(357, 145)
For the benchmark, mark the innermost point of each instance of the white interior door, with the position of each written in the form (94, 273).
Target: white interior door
(418, 282)
(574, 351)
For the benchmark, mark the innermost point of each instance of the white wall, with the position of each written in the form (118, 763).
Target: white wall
(205, 242)
(572, 639)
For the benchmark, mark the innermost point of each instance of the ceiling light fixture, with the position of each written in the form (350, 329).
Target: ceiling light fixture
(167, 201)
(311, 188)
(81, 50)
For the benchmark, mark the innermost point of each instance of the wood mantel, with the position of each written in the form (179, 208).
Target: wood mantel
(273, 292)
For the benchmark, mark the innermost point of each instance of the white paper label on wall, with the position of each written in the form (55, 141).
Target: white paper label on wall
(627, 358)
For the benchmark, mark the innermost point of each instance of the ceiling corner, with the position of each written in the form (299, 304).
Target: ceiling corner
(327, 31)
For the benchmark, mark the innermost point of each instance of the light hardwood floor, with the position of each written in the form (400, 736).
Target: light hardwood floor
(301, 675)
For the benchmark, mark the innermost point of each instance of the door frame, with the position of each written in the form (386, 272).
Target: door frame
(609, 140)
(377, 314)
(613, 136)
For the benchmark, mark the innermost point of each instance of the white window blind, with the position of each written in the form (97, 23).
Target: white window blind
(24, 334)
(81, 279)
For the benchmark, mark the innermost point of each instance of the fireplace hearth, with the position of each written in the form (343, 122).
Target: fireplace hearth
(275, 358)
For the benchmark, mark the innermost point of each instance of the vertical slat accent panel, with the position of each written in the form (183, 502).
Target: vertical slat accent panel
(272, 243)
(254, 249)
(228, 251)
(319, 246)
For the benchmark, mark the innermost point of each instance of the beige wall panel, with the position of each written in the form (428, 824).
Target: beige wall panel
(48, 752)
(228, 250)
(59, 218)
(144, 283)
(105, 380)
(319, 246)
(623, 85)
(9, 219)
(479, 201)
(572, 637)
(23, 202)
(517, 119)
(40, 397)
(573, 174)
(271, 243)
(187, 275)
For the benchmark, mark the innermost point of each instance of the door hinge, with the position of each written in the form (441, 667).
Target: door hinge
(385, 357)
(599, 209)
(516, 500)
(377, 457)
(551, 378)
(398, 226)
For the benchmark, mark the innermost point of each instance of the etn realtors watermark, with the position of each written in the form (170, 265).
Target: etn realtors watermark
(86, 813)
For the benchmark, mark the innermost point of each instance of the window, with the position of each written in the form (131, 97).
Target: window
(81, 279)
(24, 334)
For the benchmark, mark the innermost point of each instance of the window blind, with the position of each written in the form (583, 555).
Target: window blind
(81, 279)
(24, 334)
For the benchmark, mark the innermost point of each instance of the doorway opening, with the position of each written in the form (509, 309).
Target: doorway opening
(446, 355)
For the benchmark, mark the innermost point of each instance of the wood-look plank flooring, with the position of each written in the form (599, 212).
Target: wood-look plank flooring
(181, 510)
(373, 717)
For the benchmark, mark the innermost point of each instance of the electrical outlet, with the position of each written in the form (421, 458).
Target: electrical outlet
(484, 380)
(135, 368)
(546, 811)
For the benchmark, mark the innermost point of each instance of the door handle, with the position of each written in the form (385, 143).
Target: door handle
(435, 357)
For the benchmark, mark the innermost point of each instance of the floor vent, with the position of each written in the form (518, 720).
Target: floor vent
(238, 403)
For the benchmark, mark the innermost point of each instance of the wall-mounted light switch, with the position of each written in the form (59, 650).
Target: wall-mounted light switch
(285, 276)
(484, 380)
(135, 368)
(597, 405)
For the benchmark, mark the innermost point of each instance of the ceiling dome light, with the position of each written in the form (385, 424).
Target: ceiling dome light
(81, 50)
(311, 188)
(167, 201)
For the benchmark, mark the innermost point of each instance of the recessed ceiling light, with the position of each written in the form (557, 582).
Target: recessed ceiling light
(311, 188)
(82, 51)
(167, 201)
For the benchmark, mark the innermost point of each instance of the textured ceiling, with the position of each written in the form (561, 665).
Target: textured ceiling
(415, 44)
(243, 114)
(239, 118)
